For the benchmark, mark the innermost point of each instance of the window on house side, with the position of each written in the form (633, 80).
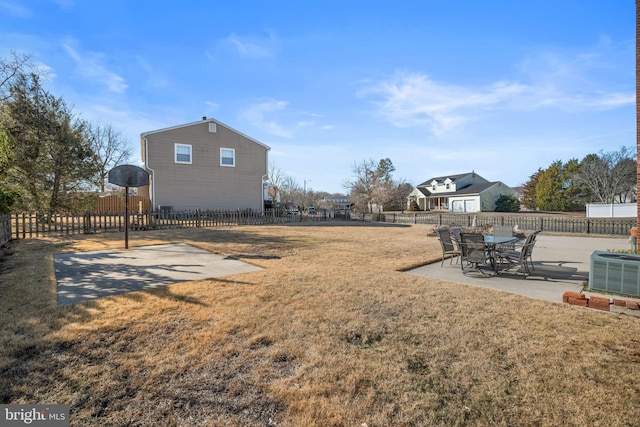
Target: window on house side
(183, 153)
(227, 157)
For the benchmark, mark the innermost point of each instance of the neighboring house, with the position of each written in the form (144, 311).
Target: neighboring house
(204, 165)
(468, 192)
(335, 203)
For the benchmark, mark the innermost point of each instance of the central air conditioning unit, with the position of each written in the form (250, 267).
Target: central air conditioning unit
(615, 272)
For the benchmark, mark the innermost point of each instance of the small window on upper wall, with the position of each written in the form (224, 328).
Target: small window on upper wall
(183, 153)
(227, 157)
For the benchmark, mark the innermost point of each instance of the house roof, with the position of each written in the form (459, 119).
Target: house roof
(204, 120)
(469, 189)
(444, 178)
(424, 191)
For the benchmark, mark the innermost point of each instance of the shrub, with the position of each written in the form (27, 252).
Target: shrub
(507, 204)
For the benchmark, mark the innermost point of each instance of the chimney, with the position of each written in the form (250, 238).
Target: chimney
(204, 117)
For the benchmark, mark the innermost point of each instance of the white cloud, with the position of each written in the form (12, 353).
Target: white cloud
(90, 66)
(153, 78)
(580, 81)
(14, 10)
(251, 46)
(65, 4)
(564, 81)
(261, 116)
(417, 100)
(212, 106)
(256, 115)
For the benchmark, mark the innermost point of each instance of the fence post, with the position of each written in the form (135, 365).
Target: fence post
(588, 226)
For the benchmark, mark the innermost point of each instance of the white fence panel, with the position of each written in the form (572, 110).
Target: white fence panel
(615, 210)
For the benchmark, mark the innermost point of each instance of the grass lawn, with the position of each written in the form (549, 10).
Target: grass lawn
(330, 333)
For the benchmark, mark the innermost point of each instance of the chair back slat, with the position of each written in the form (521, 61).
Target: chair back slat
(503, 230)
(445, 239)
(472, 247)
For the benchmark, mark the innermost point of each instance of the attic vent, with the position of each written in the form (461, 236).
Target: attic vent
(212, 127)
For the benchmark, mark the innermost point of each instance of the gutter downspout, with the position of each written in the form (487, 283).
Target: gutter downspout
(263, 180)
(153, 173)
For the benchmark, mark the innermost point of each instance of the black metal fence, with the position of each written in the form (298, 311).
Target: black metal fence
(27, 226)
(552, 223)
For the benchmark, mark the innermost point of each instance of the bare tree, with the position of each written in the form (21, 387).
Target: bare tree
(362, 188)
(374, 185)
(609, 177)
(277, 179)
(11, 68)
(290, 190)
(111, 148)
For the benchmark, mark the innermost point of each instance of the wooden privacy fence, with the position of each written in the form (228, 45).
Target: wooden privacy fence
(115, 204)
(27, 226)
(607, 226)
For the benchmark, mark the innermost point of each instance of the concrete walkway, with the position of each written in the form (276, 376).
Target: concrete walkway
(561, 264)
(90, 275)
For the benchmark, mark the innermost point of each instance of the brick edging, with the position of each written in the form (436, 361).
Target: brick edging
(598, 303)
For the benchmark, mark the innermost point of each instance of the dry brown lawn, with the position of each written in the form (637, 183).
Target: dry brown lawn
(330, 333)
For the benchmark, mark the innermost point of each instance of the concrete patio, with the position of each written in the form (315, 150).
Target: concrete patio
(561, 263)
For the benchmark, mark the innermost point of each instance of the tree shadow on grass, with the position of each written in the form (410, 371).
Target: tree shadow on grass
(36, 364)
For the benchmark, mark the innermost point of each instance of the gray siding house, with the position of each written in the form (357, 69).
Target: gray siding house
(467, 192)
(204, 165)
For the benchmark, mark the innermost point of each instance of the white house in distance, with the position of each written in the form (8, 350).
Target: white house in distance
(204, 165)
(467, 192)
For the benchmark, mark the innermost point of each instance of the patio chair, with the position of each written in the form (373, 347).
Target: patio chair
(521, 257)
(518, 245)
(448, 248)
(504, 231)
(533, 241)
(455, 235)
(473, 253)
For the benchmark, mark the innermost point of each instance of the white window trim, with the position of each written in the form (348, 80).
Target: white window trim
(175, 154)
(233, 150)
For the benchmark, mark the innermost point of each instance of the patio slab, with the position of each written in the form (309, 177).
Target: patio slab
(561, 263)
(90, 275)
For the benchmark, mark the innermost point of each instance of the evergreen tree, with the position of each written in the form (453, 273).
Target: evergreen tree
(52, 154)
(549, 189)
(529, 200)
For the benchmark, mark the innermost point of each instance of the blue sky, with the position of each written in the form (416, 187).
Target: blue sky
(439, 87)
